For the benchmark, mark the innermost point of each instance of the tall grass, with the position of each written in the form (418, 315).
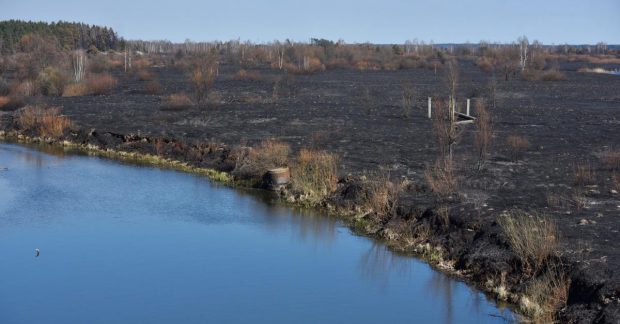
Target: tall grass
(255, 162)
(315, 174)
(532, 237)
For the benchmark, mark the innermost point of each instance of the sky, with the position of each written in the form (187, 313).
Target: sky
(355, 21)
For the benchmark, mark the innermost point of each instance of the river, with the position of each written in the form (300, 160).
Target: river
(121, 243)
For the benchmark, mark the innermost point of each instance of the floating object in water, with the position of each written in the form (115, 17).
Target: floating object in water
(36, 252)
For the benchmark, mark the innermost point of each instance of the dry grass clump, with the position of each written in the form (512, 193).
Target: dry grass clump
(382, 197)
(153, 87)
(46, 121)
(615, 181)
(11, 102)
(75, 90)
(175, 101)
(255, 162)
(100, 83)
(315, 174)
(611, 159)
(584, 174)
(517, 145)
(532, 237)
(441, 178)
(545, 295)
(552, 75)
(144, 75)
(248, 75)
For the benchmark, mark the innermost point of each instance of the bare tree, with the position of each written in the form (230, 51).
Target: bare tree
(483, 137)
(78, 65)
(523, 47)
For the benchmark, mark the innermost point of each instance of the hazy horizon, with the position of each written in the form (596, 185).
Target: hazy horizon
(388, 22)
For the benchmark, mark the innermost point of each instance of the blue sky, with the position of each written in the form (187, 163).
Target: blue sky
(386, 21)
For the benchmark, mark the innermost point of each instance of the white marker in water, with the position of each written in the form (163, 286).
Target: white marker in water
(36, 252)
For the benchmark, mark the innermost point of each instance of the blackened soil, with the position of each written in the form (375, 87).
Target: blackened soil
(359, 115)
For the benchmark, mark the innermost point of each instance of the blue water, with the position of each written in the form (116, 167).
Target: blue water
(128, 244)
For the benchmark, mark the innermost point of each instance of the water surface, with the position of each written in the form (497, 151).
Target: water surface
(129, 244)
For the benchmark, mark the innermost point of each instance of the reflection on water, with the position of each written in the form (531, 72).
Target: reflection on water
(130, 244)
(378, 263)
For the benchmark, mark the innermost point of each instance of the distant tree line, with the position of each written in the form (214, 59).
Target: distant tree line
(69, 35)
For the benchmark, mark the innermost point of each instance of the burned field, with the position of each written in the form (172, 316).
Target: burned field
(554, 152)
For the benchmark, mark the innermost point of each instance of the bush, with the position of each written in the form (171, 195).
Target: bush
(175, 102)
(315, 174)
(45, 121)
(532, 237)
(530, 75)
(517, 145)
(254, 162)
(100, 84)
(51, 82)
(75, 90)
(553, 75)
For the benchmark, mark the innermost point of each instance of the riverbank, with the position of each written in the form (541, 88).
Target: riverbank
(457, 246)
(562, 168)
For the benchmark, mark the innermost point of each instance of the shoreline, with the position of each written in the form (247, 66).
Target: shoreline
(430, 254)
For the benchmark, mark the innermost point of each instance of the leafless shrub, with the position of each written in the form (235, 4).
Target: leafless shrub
(517, 145)
(492, 92)
(441, 178)
(315, 174)
(444, 128)
(407, 99)
(483, 137)
(532, 237)
(202, 76)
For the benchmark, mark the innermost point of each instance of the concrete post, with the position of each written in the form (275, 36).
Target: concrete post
(429, 107)
(468, 107)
